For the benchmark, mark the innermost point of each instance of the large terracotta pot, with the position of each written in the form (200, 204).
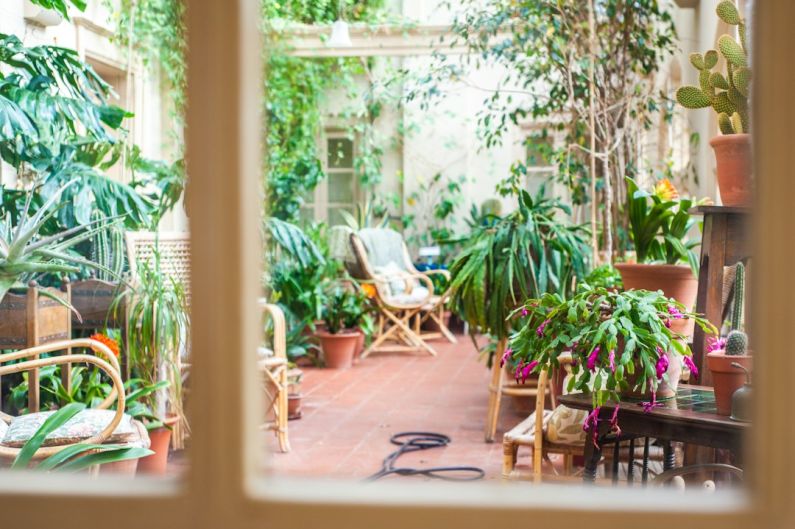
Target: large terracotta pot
(338, 348)
(675, 281)
(725, 378)
(127, 467)
(159, 439)
(733, 157)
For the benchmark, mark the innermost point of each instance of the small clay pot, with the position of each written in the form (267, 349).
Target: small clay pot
(338, 348)
(733, 157)
(159, 439)
(294, 406)
(725, 378)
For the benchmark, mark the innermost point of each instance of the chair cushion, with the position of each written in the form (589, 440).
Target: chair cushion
(399, 282)
(418, 295)
(3, 429)
(565, 424)
(383, 246)
(82, 426)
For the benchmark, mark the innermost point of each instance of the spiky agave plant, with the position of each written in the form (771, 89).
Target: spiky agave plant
(25, 252)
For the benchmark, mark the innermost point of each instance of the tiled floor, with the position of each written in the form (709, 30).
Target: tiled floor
(349, 415)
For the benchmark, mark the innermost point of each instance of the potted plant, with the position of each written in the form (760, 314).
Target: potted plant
(337, 341)
(659, 223)
(294, 396)
(158, 324)
(139, 405)
(358, 317)
(727, 94)
(623, 344)
(733, 349)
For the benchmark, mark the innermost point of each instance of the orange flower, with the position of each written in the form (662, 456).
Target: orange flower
(665, 190)
(369, 290)
(112, 344)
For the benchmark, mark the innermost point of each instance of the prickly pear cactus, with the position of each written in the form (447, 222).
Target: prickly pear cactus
(726, 94)
(736, 343)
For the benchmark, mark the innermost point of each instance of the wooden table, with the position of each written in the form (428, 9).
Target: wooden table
(690, 418)
(724, 243)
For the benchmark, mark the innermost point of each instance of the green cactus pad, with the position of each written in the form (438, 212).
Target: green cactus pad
(741, 79)
(732, 51)
(737, 123)
(727, 12)
(710, 59)
(692, 97)
(697, 60)
(705, 84)
(722, 104)
(725, 124)
(717, 80)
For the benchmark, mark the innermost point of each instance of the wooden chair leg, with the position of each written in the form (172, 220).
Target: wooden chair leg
(495, 394)
(510, 451)
(568, 464)
(284, 442)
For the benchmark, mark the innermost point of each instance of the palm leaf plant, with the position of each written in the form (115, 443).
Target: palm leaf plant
(75, 457)
(527, 253)
(25, 252)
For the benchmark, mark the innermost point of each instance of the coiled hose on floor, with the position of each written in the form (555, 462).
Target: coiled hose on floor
(415, 441)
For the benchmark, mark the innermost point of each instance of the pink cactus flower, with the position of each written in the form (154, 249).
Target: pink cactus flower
(540, 329)
(691, 366)
(612, 359)
(592, 358)
(662, 364)
(506, 355)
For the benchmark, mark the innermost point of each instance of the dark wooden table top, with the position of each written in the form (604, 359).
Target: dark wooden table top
(736, 210)
(693, 406)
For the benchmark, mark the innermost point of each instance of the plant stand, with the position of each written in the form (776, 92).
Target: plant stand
(35, 318)
(725, 243)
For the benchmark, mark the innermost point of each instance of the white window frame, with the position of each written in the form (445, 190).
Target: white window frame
(224, 487)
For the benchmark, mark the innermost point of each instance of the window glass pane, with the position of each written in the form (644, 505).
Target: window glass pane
(340, 153)
(334, 217)
(539, 150)
(340, 187)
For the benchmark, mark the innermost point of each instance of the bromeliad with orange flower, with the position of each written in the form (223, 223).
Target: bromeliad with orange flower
(623, 345)
(111, 344)
(660, 224)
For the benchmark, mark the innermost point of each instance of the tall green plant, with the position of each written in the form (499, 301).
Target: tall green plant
(525, 254)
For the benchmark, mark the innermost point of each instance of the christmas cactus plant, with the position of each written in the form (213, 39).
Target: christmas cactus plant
(622, 342)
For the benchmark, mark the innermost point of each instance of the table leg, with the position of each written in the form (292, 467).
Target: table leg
(645, 475)
(593, 454)
(669, 456)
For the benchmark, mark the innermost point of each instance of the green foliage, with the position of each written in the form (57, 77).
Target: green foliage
(605, 276)
(57, 126)
(525, 254)
(434, 204)
(659, 225)
(76, 457)
(26, 253)
(108, 250)
(598, 324)
(343, 309)
(727, 95)
(736, 343)
(61, 5)
(739, 297)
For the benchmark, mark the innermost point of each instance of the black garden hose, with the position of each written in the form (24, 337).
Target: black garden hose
(423, 441)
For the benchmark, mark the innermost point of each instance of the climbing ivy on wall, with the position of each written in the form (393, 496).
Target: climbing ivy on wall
(294, 92)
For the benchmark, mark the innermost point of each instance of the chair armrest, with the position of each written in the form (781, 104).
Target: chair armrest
(438, 271)
(279, 328)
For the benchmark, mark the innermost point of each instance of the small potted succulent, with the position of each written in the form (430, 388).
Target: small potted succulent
(727, 94)
(733, 349)
(623, 344)
(659, 223)
(337, 341)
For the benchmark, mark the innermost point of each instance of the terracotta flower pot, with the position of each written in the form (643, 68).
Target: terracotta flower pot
(159, 439)
(676, 281)
(338, 348)
(120, 468)
(294, 406)
(725, 378)
(357, 352)
(733, 156)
